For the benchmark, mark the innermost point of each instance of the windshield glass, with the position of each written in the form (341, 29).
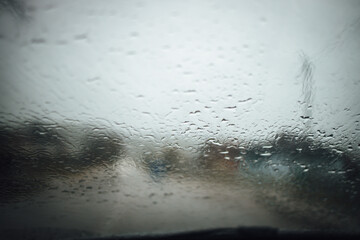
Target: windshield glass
(126, 117)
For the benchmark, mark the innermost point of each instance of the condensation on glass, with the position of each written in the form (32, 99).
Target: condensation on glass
(122, 117)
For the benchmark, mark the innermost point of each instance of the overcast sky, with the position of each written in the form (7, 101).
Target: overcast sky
(190, 68)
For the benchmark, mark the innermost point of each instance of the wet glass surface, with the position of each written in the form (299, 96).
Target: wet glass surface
(139, 117)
